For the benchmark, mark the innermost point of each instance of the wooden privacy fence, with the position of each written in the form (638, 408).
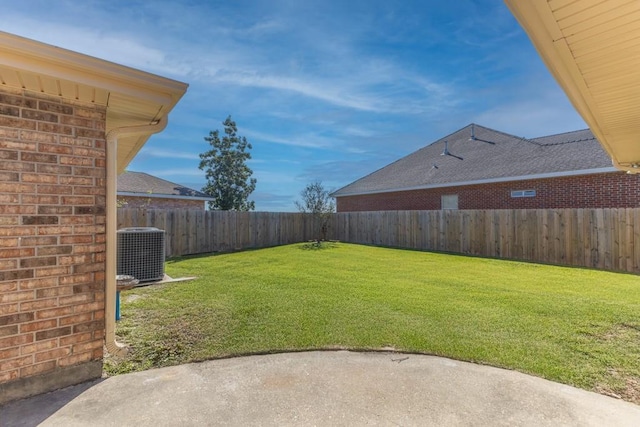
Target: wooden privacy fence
(606, 239)
(597, 238)
(198, 231)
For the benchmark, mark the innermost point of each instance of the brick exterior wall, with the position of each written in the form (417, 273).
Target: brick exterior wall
(159, 203)
(52, 239)
(606, 190)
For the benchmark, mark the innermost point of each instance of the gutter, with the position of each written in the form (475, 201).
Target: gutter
(112, 223)
(546, 175)
(162, 196)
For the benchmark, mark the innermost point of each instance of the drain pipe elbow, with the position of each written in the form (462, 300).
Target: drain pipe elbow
(112, 137)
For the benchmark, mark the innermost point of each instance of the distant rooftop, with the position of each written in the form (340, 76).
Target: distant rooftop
(479, 154)
(143, 184)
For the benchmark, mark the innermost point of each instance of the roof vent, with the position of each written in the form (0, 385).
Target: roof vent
(445, 152)
(473, 132)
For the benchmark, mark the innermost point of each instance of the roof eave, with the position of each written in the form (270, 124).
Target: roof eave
(481, 181)
(134, 97)
(538, 21)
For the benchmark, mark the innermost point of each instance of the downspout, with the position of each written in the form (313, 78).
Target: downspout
(111, 226)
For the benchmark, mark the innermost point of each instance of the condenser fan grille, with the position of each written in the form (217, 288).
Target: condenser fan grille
(141, 253)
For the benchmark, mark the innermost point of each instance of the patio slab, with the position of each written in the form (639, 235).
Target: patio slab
(323, 388)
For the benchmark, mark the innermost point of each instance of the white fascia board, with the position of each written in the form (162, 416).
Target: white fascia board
(33, 56)
(487, 181)
(161, 196)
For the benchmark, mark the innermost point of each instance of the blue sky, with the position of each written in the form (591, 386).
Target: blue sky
(324, 90)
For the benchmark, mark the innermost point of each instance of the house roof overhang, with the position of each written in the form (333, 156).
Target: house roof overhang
(592, 48)
(131, 97)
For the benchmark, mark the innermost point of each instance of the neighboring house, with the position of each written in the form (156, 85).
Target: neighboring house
(139, 189)
(481, 168)
(68, 123)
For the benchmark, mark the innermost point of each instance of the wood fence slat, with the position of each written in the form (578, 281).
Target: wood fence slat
(596, 238)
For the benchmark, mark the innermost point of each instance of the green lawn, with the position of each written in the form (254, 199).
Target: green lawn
(575, 326)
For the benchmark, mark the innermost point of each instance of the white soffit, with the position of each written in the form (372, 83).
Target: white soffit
(132, 97)
(592, 48)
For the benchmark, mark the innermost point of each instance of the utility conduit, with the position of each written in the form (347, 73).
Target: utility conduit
(112, 224)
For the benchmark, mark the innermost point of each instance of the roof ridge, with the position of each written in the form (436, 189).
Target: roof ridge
(561, 133)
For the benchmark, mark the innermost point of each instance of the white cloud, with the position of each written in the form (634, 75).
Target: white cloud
(168, 154)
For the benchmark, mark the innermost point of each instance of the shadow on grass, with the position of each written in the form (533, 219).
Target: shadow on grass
(317, 245)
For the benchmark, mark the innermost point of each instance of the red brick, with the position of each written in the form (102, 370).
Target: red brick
(8, 220)
(76, 359)
(9, 308)
(13, 122)
(17, 253)
(17, 209)
(39, 178)
(55, 169)
(38, 326)
(52, 271)
(16, 297)
(16, 318)
(8, 264)
(9, 176)
(16, 231)
(76, 338)
(55, 189)
(53, 229)
(17, 166)
(8, 376)
(39, 304)
(52, 354)
(54, 250)
(86, 346)
(16, 341)
(53, 292)
(38, 262)
(19, 101)
(76, 239)
(77, 121)
(26, 156)
(39, 115)
(47, 282)
(76, 318)
(55, 210)
(9, 353)
(38, 368)
(53, 333)
(40, 200)
(16, 362)
(38, 241)
(17, 188)
(6, 331)
(76, 299)
(9, 198)
(39, 346)
(8, 287)
(86, 268)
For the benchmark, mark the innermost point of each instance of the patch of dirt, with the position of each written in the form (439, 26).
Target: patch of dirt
(629, 390)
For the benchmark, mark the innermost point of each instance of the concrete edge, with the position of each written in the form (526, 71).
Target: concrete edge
(60, 378)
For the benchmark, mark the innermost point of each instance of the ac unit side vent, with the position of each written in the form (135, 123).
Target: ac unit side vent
(141, 253)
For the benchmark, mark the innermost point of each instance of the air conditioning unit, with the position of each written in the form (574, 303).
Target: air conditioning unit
(141, 253)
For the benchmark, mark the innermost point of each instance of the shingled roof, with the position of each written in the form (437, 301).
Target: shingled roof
(143, 184)
(477, 154)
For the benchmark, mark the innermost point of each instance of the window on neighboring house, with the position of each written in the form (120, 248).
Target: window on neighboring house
(450, 201)
(523, 193)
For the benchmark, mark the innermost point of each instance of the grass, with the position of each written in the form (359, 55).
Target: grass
(575, 326)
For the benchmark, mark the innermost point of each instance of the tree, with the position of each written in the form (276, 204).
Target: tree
(316, 200)
(229, 179)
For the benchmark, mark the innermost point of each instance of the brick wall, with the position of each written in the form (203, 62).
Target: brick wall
(159, 203)
(607, 190)
(52, 242)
